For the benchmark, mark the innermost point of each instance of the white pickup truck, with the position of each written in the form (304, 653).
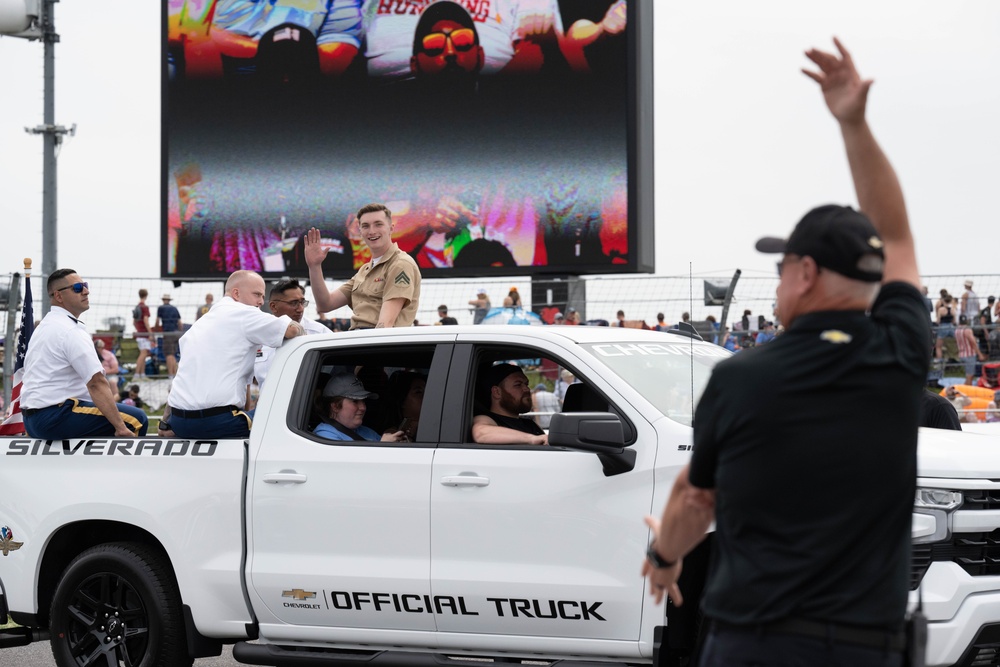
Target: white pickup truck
(301, 551)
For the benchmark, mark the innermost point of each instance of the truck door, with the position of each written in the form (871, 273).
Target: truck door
(536, 541)
(339, 532)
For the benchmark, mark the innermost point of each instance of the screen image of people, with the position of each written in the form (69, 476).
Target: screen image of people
(495, 130)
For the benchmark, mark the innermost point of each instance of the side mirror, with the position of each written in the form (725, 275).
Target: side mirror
(598, 432)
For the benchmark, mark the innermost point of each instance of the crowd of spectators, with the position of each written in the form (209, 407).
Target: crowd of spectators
(966, 337)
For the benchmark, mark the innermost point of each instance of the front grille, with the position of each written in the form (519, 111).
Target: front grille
(976, 553)
(920, 561)
(984, 657)
(981, 500)
(985, 649)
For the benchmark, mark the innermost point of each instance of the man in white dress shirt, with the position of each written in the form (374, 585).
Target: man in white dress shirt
(65, 393)
(210, 393)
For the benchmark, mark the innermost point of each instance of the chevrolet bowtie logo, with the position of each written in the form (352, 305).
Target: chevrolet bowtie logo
(836, 336)
(298, 594)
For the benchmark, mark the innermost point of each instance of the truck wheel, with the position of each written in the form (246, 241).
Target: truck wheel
(118, 604)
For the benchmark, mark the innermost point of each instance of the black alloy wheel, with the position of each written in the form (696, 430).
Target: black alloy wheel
(118, 605)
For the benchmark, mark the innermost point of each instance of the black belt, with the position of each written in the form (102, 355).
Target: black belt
(834, 632)
(201, 414)
(35, 411)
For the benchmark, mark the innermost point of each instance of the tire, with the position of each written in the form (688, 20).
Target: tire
(118, 604)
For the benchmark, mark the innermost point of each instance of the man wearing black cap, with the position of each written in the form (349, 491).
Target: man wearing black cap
(505, 388)
(811, 483)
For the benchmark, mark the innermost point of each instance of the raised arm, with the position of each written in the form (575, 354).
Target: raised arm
(315, 253)
(879, 193)
(583, 33)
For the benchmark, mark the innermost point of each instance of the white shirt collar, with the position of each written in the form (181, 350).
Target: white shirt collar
(60, 309)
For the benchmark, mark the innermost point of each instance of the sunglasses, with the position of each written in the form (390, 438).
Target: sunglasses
(462, 39)
(76, 287)
(787, 259)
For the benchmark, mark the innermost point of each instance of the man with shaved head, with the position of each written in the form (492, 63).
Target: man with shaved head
(209, 396)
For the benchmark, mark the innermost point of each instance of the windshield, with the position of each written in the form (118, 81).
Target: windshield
(668, 375)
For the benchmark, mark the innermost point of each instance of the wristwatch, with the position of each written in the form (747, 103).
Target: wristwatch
(656, 559)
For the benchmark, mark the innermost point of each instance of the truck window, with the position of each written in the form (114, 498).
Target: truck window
(394, 380)
(554, 386)
(670, 375)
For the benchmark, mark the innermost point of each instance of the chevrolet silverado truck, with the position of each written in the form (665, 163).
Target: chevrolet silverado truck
(151, 552)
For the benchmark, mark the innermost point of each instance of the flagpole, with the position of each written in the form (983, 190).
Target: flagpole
(14, 424)
(10, 340)
(9, 344)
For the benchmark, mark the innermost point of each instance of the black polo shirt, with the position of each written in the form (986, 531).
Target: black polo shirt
(810, 442)
(936, 411)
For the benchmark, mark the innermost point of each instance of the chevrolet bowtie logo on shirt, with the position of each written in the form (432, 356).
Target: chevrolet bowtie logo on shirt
(836, 336)
(402, 278)
(298, 594)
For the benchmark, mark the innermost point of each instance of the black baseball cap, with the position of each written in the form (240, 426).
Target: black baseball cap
(836, 237)
(498, 373)
(492, 377)
(287, 53)
(441, 11)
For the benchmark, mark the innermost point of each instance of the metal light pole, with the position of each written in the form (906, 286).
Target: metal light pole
(40, 16)
(52, 136)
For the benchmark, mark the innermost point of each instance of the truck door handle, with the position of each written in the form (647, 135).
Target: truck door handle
(465, 480)
(285, 476)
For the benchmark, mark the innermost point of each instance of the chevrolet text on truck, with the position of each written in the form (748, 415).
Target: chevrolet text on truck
(302, 551)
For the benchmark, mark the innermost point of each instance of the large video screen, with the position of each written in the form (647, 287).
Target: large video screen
(502, 135)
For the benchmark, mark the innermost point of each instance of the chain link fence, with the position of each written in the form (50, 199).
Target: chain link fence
(596, 298)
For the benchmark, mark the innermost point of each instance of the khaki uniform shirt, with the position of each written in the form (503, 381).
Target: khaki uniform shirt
(395, 276)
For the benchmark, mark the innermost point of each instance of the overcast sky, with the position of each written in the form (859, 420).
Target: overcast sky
(744, 145)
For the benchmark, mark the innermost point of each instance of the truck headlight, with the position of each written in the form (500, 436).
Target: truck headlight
(932, 509)
(938, 499)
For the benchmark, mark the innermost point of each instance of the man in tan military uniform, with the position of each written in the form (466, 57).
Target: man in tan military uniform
(384, 292)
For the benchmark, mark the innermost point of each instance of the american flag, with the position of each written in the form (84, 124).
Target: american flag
(14, 425)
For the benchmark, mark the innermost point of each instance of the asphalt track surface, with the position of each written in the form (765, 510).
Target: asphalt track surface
(39, 654)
